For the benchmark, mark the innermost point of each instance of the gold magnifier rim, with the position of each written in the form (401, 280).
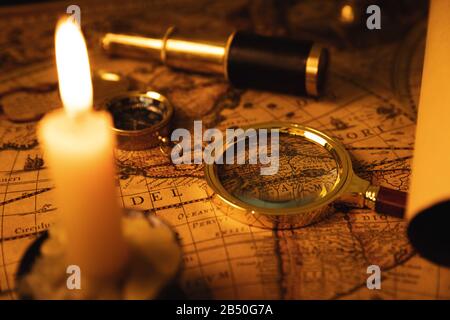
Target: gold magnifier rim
(343, 161)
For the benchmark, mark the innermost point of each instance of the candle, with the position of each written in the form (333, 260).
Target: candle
(78, 146)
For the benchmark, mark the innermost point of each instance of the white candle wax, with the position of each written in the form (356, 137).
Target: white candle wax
(80, 156)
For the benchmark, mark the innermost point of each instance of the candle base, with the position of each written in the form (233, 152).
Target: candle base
(152, 271)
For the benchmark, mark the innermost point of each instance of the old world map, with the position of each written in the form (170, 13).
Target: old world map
(370, 107)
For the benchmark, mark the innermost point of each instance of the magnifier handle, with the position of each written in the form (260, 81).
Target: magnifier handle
(391, 202)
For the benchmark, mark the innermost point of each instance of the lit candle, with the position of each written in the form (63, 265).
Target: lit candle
(78, 145)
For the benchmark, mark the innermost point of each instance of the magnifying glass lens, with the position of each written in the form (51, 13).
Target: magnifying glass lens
(307, 172)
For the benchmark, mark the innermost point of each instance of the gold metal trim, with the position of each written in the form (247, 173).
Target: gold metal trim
(163, 53)
(312, 70)
(105, 42)
(203, 54)
(131, 45)
(370, 196)
(225, 58)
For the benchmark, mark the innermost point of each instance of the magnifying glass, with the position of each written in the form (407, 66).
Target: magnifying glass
(314, 172)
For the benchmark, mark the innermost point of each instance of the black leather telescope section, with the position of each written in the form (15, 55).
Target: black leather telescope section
(271, 63)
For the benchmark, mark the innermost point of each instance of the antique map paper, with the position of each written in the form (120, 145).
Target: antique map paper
(370, 106)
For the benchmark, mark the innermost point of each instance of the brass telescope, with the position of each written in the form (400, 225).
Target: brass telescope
(246, 60)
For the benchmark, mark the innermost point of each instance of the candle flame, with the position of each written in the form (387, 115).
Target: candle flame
(74, 74)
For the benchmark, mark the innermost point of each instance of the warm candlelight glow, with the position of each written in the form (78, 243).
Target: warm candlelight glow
(347, 14)
(75, 85)
(81, 157)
